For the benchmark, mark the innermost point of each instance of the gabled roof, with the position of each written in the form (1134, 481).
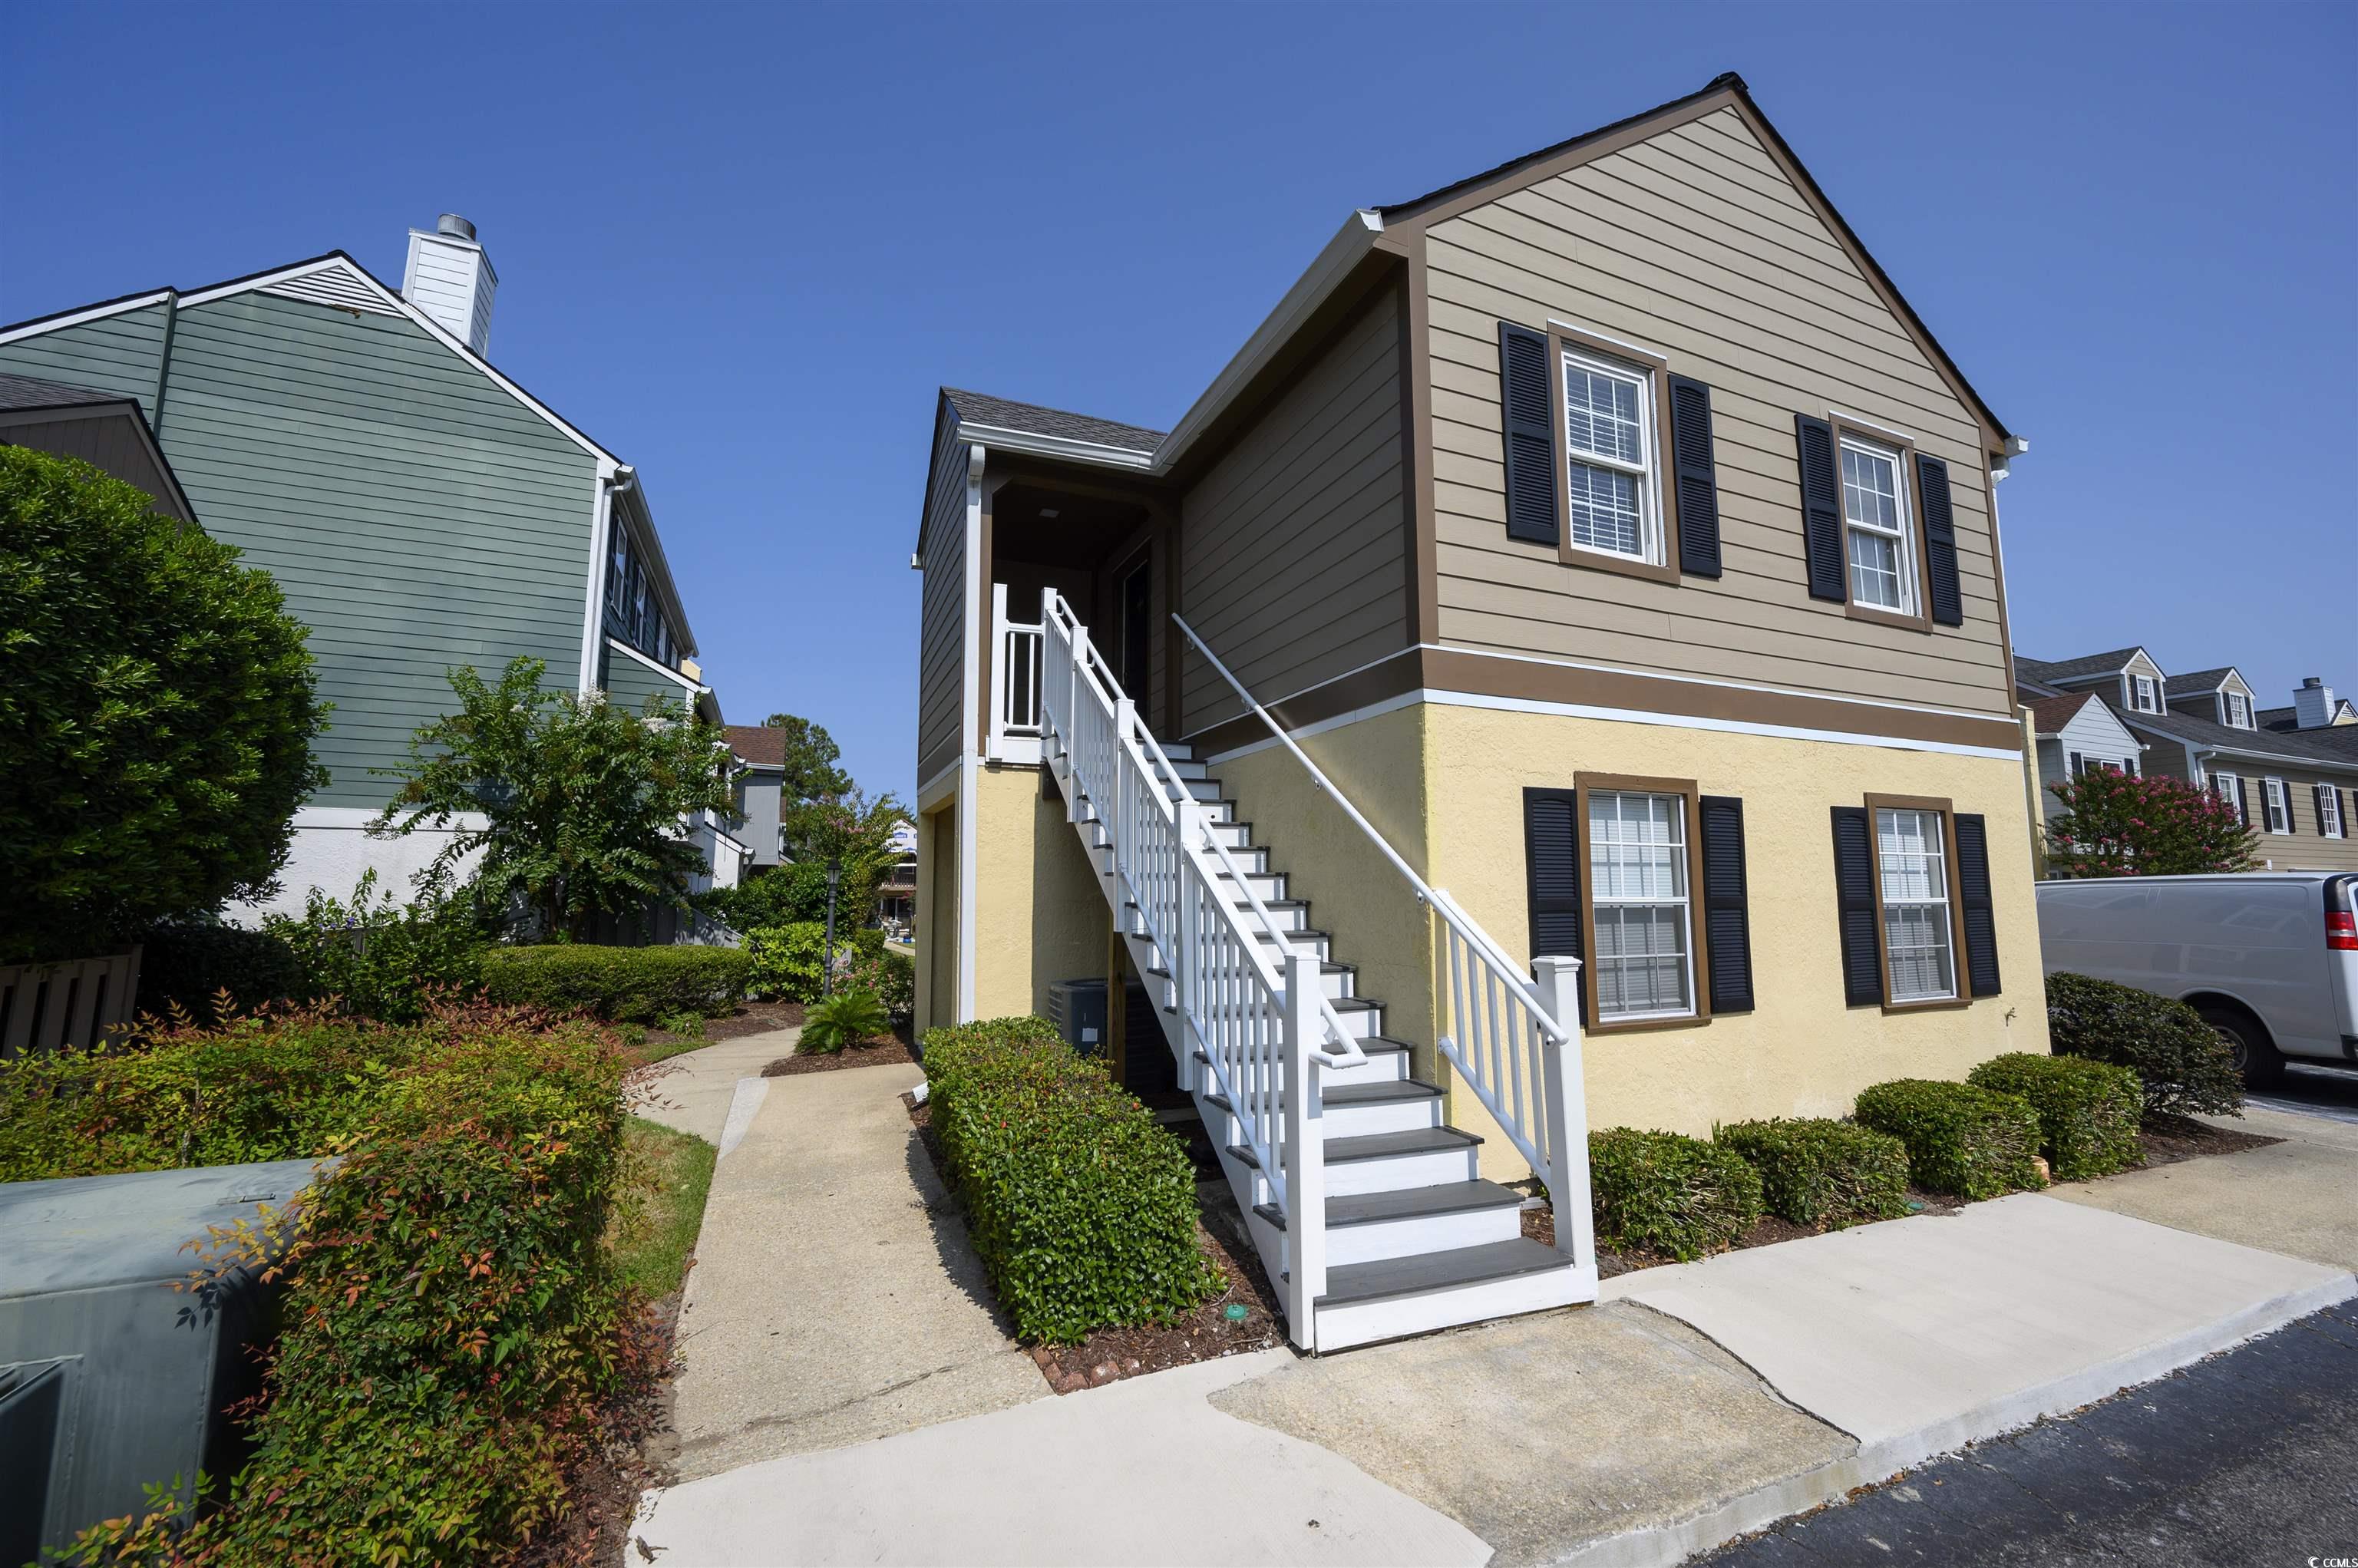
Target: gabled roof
(36, 402)
(2203, 682)
(2049, 714)
(32, 391)
(2110, 664)
(2288, 718)
(1032, 418)
(760, 745)
(2205, 736)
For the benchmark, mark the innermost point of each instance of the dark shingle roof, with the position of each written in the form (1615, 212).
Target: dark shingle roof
(757, 743)
(31, 392)
(2064, 669)
(2277, 718)
(2199, 682)
(2049, 714)
(2309, 746)
(1033, 420)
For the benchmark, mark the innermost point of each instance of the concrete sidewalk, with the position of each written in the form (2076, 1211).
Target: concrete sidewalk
(692, 1091)
(834, 1296)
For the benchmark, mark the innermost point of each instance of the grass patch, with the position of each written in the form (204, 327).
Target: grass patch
(654, 1228)
(650, 1048)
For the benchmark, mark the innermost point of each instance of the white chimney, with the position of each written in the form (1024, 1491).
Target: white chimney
(2312, 705)
(451, 278)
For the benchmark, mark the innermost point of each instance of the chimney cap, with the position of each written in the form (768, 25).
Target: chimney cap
(456, 227)
(2310, 682)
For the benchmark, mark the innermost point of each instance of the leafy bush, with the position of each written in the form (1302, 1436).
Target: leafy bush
(847, 1018)
(189, 965)
(2185, 1069)
(892, 976)
(1661, 1192)
(1969, 1141)
(1821, 1172)
(2145, 824)
(451, 1324)
(788, 961)
(1082, 1206)
(2088, 1111)
(156, 711)
(381, 958)
(635, 985)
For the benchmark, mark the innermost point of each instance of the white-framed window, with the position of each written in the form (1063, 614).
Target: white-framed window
(1917, 942)
(1642, 963)
(2239, 711)
(1612, 505)
(2230, 788)
(2278, 805)
(2329, 811)
(2147, 700)
(1875, 522)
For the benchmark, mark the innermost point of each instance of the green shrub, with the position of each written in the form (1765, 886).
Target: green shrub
(1661, 1192)
(686, 1025)
(1968, 1142)
(187, 966)
(1082, 1206)
(2088, 1111)
(892, 976)
(1821, 1172)
(788, 961)
(847, 1018)
(636, 985)
(451, 1326)
(380, 958)
(2185, 1067)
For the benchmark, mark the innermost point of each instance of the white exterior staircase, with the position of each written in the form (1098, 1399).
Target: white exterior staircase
(1311, 1105)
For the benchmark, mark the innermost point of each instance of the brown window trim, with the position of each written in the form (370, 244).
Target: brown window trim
(1922, 620)
(1657, 370)
(1948, 811)
(1698, 970)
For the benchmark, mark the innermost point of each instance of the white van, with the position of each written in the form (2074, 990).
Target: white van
(2268, 958)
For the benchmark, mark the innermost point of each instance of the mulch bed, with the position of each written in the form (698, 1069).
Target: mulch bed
(1204, 1333)
(750, 1018)
(884, 1049)
(2166, 1139)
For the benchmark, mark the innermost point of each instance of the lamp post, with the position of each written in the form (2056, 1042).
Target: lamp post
(826, 968)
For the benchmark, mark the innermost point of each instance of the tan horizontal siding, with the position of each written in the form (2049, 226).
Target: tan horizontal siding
(1694, 245)
(942, 632)
(1293, 554)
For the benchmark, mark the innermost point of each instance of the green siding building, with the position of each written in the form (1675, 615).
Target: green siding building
(419, 510)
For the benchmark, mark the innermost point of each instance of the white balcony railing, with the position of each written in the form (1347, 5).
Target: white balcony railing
(1014, 686)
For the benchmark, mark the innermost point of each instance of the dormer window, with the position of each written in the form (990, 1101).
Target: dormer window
(2239, 711)
(2143, 697)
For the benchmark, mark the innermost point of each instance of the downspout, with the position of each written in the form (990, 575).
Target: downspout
(969, 739)
(164, 362)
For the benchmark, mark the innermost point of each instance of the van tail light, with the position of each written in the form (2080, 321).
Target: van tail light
(2341, 930)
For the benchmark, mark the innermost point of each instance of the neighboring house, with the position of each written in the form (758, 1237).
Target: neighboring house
(2292, 781)
(2076, 731)
(1622, 547)
(2314, 707)
(896, 896)
(419, 509)
(761, 752)
(104, 429)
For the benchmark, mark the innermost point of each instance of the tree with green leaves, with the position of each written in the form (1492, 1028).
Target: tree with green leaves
(583, 805)
(855, 831)
(156, 712)
(2122, 824)
(812, 758)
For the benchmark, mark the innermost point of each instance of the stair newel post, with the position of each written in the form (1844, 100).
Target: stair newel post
(1566, 1107)
(1076, 750)
(1181, 964)
(1049, 634)
(1305, 1151)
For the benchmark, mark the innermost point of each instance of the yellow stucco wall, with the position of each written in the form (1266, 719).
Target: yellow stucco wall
(1039, 915)
(937, 915)
(1802, 1051)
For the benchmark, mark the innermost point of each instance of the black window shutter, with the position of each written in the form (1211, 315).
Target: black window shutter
(1530, 432)
(1821, 525)
(1697, 476)
(1726, 914)
(1855, 897)
(1973, 902)
(1551, 862)
(1939, 541)
(2244, 799)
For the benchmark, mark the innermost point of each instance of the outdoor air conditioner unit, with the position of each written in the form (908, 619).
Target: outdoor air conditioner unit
(1078, 1008)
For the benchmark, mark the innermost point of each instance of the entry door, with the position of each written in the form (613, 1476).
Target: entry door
(1138, 629)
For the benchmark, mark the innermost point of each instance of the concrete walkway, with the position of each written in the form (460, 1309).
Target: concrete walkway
(692, 1091)
(1139, 1472)
(835, 1297)
(2296, 1197)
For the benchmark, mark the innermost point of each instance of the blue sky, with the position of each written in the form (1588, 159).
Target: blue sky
(741, 245)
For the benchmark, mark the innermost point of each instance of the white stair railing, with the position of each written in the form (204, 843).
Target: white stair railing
(1515, 1042)
(1255, 1010)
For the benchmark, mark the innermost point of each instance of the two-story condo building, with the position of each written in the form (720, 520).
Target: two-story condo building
(1621, 551)
(419, 509)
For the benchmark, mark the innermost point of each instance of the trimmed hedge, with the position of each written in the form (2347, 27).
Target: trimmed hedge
(2185, 1069)
(451, 1327)
(1967, 1141)
(788, 961)
(1081, 1204)
(1821, 1172)
(2088, 1111)
(630, 985)
(1663, 1191)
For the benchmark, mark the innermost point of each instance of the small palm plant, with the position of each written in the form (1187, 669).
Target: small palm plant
(847, 1018)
